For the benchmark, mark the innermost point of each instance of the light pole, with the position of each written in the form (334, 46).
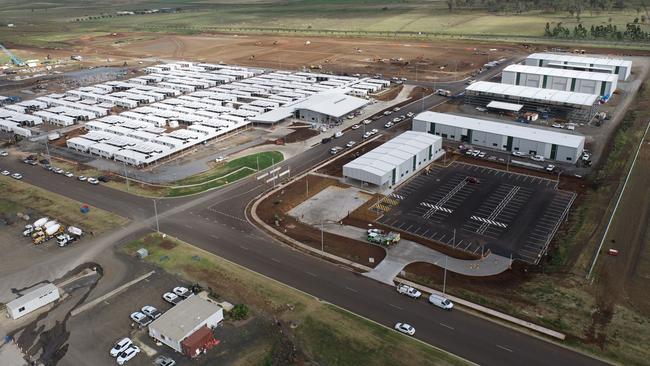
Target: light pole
(126, 176)
(322, 238)
(444, 278)
(155, 210)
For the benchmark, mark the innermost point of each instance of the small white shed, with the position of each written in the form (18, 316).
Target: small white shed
(32, 300)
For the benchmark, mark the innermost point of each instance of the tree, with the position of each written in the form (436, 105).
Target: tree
(450, 5)
(239, 312)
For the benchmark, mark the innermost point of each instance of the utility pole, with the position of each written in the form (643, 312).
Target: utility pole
(155, 210)
(454, 239)
(322, 238)
(307, 184)
(258, 162)
(47, 150)
(126, 176)
(444, 278)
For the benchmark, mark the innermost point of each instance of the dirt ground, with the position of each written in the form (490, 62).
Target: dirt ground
(440, 60)
(274, 210)
(301, 132)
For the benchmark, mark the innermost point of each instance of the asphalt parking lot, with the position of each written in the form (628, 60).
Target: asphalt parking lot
(475, 209)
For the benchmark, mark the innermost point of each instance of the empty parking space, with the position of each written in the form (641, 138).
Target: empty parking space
(476, 209)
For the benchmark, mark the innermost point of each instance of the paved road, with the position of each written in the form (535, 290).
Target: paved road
(215, 221)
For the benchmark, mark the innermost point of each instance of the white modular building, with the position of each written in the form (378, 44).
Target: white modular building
(183, 320)
(549, 143)
(34, 299)
(620, 67)
(568, 80)
(572, 106)
(395, 161)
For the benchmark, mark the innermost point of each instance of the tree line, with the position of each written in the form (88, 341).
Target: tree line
(632, 32)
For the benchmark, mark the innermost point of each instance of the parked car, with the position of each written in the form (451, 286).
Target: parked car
(350, 116)
(481, 154)
(410, 114)
(182, 292)
(396, 109)
(441, 302)
(367, 134)
(172, 298)
(556, 125)
(355, 127)
(469, 152)
(68, 174)
(335, 150)
(82, 178)
(338, 134)
(17, 176)
(103, 178)
(537, 157)
(164, 361)
(518, 153)
(395, 120)
(386, 113)
(473, 180)
(550, 168)
(325, 140)
(44, 162)
(405, 328)
(93, 181)
(408, 291)
(374, 131)
(389, 124)
(128, 354)
(476, 153)
(4, 153)
(57, 170)
(151, 312)
(5, 172)
(140, 318)
(367, 121)
(350, 144)
(29, 162)
(120, 346)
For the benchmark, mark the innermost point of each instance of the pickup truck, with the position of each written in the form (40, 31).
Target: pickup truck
(408, 291)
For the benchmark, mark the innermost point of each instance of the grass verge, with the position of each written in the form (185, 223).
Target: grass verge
(325, 334)
(18, 195)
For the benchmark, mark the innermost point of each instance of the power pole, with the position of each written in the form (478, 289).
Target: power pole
(155, 210)
(444, 278)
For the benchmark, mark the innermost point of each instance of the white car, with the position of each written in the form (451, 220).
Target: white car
(171, 298)
(151, 312)
(182, 292)
(367, 121)
(476, 153)
(3, 153)
(140, 318)
(93, 181)
(469, 152)
(374, 131)
(481, 155)
(550, 167)
(219, 159)
(585, 157)
(389, 124)
(518, 153)
(58, 170)
(120, 346)
(82, 178)
(441, 302)
(338, 134)
(405, 328)
(396, 109)
(128, 354)
(17, 176)
(557, 125)
(366, 135)
(537, 158)
(350, 144)
(396, 119)
(350, 116)
(5, 172)
(410, 114)
(386, 113)
(68, 174)
(409, 291)
(355, 127)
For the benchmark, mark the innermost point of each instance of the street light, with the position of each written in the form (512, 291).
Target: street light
(155, 210)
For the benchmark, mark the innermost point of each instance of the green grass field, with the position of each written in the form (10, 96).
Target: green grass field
(50, 24)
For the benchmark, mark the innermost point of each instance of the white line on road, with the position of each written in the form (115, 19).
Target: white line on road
(187, 226)
(311, 274)
(246, 248)
(396, 307)
(214, 237)
(273, 259)
(350, 289)
(447, 326)
(504, 348)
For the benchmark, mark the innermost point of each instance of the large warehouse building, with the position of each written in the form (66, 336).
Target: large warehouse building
(551, 144)
(559, 79)
(396, 160)
(620, 67)
(571, 106)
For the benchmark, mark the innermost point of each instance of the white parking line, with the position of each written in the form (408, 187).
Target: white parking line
(311, 274)
(275, 260)
(447, 326)
(351, 289)
(396, 307)
(504, 348)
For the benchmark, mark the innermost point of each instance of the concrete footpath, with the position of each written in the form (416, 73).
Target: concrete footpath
(406, 252)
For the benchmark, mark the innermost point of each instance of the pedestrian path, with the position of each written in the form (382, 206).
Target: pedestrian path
(405, 252)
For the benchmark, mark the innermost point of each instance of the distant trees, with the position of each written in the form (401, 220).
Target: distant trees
(632, 32)
(573, 7)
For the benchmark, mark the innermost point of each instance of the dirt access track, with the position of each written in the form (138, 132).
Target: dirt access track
(341, 55)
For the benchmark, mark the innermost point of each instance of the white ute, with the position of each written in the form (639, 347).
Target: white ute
(408, 291)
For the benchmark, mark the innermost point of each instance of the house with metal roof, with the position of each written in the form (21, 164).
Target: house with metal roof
(549, 143)
(618, 66)
(183, 320)
(559, 79)
(395, 161)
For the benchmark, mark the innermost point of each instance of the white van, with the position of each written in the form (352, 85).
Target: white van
(441, 302)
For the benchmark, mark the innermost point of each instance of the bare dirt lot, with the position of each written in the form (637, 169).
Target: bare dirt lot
(441, 60)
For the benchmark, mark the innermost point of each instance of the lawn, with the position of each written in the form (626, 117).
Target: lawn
(18, 195)
(326, 334)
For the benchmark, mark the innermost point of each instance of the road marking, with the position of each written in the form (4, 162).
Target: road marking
(273, 259)
(504, 348)
(187, 226)
(396, 307)
(311, 274)
(246, 248)
(214, 237)
(447, 326)
(350, 289)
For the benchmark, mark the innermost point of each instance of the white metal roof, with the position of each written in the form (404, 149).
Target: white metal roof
(183, 318)
(384, 158)
(505, 106)
(503, 128)
(586, 60)
(32, 295)
(585, 75)
(528, 92)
